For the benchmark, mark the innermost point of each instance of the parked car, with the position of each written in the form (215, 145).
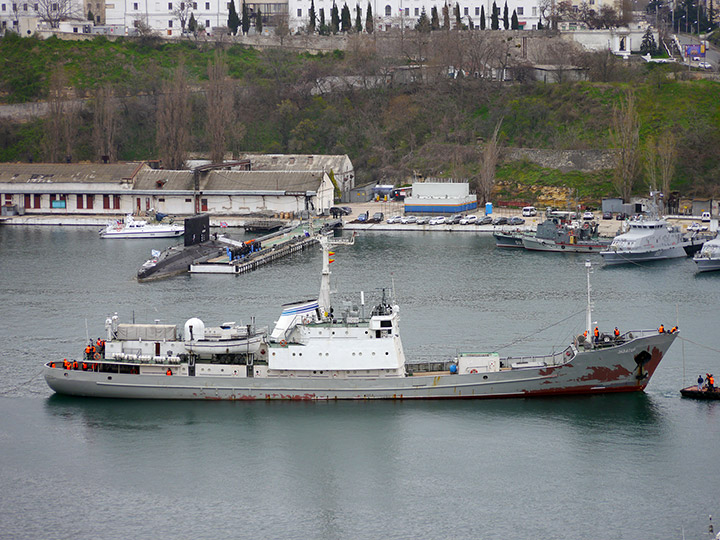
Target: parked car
(529, 211)
(705, 65)
(394, 219)
(423, 220)
(363, 217)
(696, 227)
(378, 217)
(469, 220)
(515, 220)
(588, 216)
(337, 211)
(607, 215)
(502, 220)
(347, 210)
(485, 220)
(439, 220)
(409, 219)
(621, 216)
(455, 219)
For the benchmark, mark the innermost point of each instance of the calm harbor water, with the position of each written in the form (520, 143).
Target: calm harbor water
(624, 466)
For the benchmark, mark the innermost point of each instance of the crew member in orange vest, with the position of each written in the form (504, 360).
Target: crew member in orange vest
(661, 329)
(75, 364)
(711, 383)
(673, 329)
(617, 332)
(169, 372)
(597, 334)
(88, 351)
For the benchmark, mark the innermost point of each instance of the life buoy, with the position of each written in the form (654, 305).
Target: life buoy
(262, 351)
(283, 343)
(96, 356)
(473, 371)
(567, 353)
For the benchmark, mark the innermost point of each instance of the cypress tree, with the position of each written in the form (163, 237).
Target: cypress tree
(91, 16)
(245, 21)
(311, 25)
(334, 19)
(233, 19)
(369, 24)
(192, 23)
(358, 18)
(482, 18)
(515, 24)
(471, 24)
(434, 19)
(458, 19)
(446, 17)
(345, 22)
(258, 21)
(494, 21)
(506, 20)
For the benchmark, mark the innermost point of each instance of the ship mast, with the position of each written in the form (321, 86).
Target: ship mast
(324, 298)
(588, 313)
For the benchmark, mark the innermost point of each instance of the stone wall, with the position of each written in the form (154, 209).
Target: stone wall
(563, 160)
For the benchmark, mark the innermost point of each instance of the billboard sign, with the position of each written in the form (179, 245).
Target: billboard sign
(695, 50)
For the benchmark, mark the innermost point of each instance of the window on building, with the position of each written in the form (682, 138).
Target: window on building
(37, 200)
(407, 12)
(592, 2)
(188, 200)
(182, 6)
(299, 12)
(79, 205)
(170, 23)
(520, 10)
(534, 11)
(27, 202)
(36, 7)
(207, 23)
(477, 11)
(207, 5)
(116, 202)
(466, 11)
(54, 7)
(3, 7)
(169, 6)
(14, 7)
(417, 12)
(89, 200)
(203, 205)
(388, 11)
(194, 5)
(24, 7)
(135, 6)
(8, 198)
(106, 202)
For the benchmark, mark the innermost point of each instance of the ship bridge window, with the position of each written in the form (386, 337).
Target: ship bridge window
(386, 324)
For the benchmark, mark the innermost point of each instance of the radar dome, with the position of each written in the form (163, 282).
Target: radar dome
(194, 329)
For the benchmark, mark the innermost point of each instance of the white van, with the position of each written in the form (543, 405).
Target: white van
(529, 211)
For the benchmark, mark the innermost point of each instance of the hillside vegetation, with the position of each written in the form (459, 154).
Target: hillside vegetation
(433, 128)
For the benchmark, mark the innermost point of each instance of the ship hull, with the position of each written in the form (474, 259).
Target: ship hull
(162, 233)
(539, 244)
(621, 257)
(508, 240)
(705, 264)
(625, 367)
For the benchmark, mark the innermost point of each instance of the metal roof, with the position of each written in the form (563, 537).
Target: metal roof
(67, 173)
(224, 180)
(299, 162)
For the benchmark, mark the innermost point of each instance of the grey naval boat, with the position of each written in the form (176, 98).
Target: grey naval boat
(314, 353)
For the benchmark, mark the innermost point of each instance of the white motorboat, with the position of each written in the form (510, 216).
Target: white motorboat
(317, 353)
(646, 240)
(139, 228)
(708, 258)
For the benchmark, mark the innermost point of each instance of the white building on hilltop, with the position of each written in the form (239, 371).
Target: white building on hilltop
(388, 14)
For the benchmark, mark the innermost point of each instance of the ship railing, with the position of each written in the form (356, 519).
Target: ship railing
(554, 359)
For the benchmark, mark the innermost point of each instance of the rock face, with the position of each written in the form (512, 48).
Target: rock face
(563, 160)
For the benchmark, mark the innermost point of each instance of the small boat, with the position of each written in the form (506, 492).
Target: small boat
(508, 239)
(560, 237)
(139, 228)
(317, 353)
(703, 393)
(708, 258)
(646, 240)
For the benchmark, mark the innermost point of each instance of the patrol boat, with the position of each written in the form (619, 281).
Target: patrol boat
(139, 228)
(317, 353)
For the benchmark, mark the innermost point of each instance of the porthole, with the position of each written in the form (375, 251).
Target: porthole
(387, 353)
(484, 376)
(109, 377)
(353, 354)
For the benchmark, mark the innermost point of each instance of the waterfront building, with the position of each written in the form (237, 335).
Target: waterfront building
(436, 197)
(112, 189)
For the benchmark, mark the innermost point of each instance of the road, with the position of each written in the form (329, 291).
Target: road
(711, 55)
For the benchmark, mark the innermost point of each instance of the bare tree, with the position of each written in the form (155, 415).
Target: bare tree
(624, 135)
(219, 107)
(105, 123)
(491, 153)
(60, 125)
(182, 13)
(282, 28)
(173, 119)
(667, 158)
(55, 11)
(650, 161)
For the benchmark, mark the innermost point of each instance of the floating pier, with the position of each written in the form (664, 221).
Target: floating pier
(263, 250)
